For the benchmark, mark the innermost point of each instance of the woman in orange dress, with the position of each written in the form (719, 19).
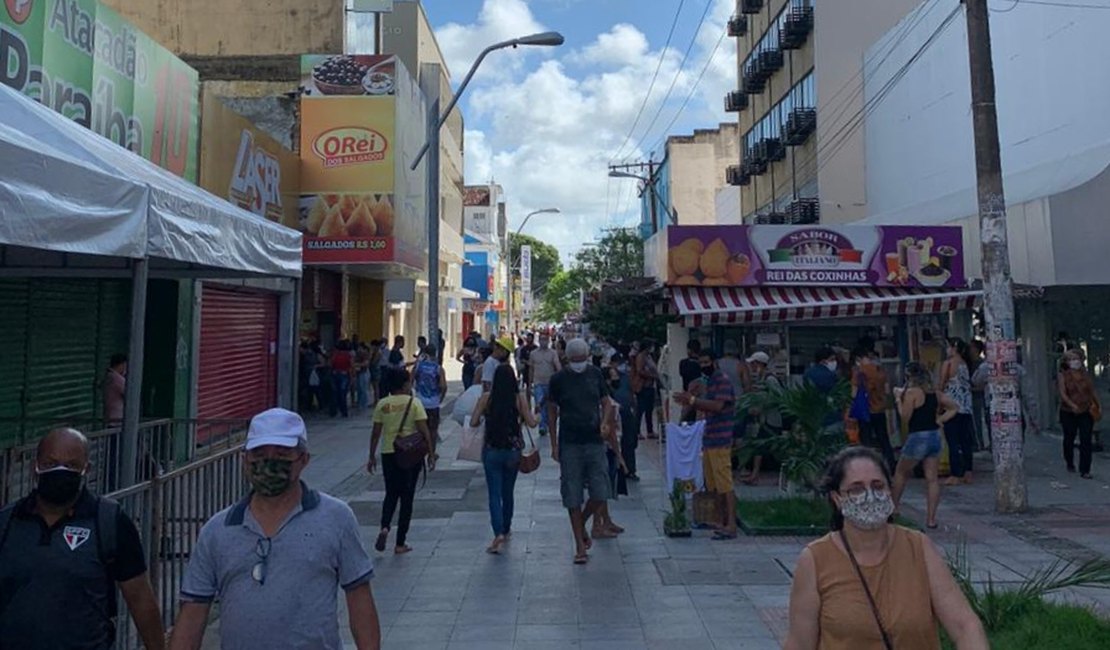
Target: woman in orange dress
(870, 584)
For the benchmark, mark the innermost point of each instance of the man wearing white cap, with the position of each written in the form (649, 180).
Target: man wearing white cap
(771, 421)
(276, 560)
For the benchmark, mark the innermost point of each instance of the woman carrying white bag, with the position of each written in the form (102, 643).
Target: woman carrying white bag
(502, 440)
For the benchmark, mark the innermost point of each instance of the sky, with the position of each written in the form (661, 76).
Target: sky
(545, 123)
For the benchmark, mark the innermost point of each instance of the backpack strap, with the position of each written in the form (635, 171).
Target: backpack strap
(107, 513)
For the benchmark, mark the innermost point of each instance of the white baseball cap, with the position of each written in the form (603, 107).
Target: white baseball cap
(760, 357)
(276, 427)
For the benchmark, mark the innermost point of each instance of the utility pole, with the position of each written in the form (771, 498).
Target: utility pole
(628, 171)
(1010, 494)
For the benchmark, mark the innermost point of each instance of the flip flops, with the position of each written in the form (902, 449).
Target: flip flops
(379, 544)
(581, 558)
(721, 535)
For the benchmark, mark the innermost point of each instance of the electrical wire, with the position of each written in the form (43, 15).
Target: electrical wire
(693, 89)
(1060, 3)
(677, 74)
(654, 78)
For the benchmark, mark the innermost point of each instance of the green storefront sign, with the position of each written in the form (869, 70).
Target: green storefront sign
(86, 62)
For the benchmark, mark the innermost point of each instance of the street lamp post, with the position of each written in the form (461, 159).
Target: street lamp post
(509, 261)
(435, 123)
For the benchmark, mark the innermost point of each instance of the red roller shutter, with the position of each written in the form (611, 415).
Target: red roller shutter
(238, 353)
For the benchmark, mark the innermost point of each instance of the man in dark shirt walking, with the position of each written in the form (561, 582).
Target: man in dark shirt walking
(689, 368)
(63, 551)
(579, 409)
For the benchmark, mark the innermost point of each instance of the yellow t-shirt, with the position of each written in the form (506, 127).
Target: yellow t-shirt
(389, 412)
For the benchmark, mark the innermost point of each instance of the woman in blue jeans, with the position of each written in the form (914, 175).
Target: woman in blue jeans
(503, 408)
(925, 411)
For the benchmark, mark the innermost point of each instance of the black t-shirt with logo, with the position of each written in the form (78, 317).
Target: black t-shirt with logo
(578, 396)
(55, 589)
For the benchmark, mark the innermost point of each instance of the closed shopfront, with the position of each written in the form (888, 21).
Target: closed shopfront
(238, 353)
(58, 337)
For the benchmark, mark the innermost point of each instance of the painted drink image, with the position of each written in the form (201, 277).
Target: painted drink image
(946, 254)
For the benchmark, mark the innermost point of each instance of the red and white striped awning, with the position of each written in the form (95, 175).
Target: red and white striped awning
(700, 306)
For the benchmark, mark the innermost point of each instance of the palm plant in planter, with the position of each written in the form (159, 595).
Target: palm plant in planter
(812, 431)
(677, 523)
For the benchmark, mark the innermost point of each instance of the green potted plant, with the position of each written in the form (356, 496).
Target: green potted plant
(677, 523)
(812, 433)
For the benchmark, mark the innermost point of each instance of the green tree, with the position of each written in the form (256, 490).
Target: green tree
(545, 260)
(627, 313)
(562, 295)
(617, 255)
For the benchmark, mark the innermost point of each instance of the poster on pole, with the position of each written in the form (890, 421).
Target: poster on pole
(526, 278)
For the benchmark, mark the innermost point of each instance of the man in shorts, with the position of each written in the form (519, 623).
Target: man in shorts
(713, 398)
(579, 408)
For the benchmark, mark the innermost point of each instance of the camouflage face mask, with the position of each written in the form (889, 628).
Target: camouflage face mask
(270, 477)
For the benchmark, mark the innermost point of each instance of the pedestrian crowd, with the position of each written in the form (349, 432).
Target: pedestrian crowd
(277, 560)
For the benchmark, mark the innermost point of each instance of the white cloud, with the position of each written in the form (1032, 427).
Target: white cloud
(548, 132)
(499, 20)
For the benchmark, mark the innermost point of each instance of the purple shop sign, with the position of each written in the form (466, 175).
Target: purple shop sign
(879, 256)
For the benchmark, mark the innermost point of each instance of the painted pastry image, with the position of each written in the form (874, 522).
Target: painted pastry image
(349, 215)
(694, 263)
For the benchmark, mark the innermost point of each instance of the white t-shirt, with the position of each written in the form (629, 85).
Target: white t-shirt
(489, 368)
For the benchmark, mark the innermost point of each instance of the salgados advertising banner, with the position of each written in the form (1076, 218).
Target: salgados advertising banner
(880, 256)
(362, 123)
(83, 60)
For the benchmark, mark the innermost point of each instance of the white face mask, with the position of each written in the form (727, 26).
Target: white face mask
(578, 366)
(1075, 364)
(869, 510)
(831, 365)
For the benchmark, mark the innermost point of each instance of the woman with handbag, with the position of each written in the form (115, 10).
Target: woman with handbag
(503, 408)
(872, 584)
(1079, 406)
(401, 427)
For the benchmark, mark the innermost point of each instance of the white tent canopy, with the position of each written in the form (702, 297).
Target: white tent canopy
(64, 188)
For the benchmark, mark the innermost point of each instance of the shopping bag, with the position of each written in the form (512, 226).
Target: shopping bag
(465, 404)
(470, 444)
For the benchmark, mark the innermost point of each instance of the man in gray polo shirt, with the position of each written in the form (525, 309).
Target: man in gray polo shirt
(276, 560)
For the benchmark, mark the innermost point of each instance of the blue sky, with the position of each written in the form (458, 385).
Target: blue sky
(545, 122)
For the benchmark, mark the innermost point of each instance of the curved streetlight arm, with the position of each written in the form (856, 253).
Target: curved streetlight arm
(546, 38)
(531, 214)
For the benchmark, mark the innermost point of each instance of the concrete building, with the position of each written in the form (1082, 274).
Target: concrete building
(248, 54)
(798, 99)
(1055, 154)
(486, 270)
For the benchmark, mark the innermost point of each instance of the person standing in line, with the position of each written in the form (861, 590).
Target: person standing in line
(870, 376)
(342, 365)
(398, 415)
(64, 552)
(620, 385)
(113, 389)
(543, 363)
(689, 368)
(924, 410)
(525, 366)
(955, 377)
(430, 381)
(441, 346)
(768, 423)
(276, 560)
(421, 350)
(872, 584)
(501, 353)
(645, 378)
(578, 408)
(503, 409)
(362, 375)
(716, 404)
(980, 376)
(377, 360)
(396, 357)
(822, 374)
(321, 391)
(1077, 399)
(467, 357)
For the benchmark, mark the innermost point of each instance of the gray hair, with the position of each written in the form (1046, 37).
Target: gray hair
(577, 348)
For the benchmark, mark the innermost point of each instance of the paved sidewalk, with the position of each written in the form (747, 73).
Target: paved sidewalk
(645, 590)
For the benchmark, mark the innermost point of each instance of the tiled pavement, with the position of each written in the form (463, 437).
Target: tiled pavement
(644, 590)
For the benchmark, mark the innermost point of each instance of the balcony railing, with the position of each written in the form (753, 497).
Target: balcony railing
(751, 6)
(735, 101)
(738, 175)
(738, 25)
(771, 61)
(771, 149)
(800, 124)
(796, 28)
(805, 211)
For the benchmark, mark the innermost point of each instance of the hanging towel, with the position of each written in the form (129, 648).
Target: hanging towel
(684, 453)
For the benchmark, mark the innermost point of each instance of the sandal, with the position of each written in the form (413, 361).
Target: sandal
(613, 528)
(401, 550)
(581, 558)
(587, 542)
(379, 545)
(603, 534)
(495, 546)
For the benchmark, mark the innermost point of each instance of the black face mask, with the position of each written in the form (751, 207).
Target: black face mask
(707, 371)
(60, 486)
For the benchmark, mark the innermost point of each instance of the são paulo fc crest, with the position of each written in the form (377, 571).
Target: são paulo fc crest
(75, 536)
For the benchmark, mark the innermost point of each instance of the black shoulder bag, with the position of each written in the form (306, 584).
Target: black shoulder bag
(866, 590)
(410, 450)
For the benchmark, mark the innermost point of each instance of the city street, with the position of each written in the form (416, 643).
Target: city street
(644, 590)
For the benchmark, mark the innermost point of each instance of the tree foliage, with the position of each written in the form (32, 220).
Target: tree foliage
(626, 313)
(617, 255)
(545, 260)
(561, 296)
